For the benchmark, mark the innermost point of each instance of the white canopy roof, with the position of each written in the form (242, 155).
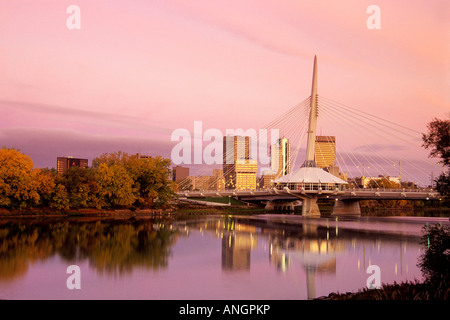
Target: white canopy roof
(310, 175)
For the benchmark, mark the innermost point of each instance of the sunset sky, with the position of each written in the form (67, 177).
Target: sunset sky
(137, 70)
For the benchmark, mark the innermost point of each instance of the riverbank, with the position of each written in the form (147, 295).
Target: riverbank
(174, 209)
(179, 208)
(397, 291)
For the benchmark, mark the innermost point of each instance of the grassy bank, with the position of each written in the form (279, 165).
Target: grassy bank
(236, 207)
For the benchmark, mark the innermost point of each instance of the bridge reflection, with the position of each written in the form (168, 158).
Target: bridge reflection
(317, 249)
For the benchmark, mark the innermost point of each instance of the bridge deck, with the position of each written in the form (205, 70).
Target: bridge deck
(349, 194)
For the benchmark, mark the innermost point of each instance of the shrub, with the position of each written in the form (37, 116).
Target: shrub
(435, 261)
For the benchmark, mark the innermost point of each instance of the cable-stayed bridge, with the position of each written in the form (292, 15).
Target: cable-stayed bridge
(372, 145)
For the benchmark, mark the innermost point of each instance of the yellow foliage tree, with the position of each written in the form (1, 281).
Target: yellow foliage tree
(20, 183)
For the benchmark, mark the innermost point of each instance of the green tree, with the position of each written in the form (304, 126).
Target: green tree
(150, 176)
(82, 187)
(60, 199)
(435, 261)
(115, 185)
(443, 184)
(438, 140)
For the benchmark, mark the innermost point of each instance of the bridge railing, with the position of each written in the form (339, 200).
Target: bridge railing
(295, 186)
(310, 187)
(392, 190)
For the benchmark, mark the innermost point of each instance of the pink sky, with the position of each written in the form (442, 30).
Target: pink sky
(137, 70)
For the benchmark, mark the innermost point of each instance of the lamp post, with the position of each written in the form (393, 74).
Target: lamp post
(363, 178)
(399, 173)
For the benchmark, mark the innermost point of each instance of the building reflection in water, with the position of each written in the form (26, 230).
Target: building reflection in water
(315, 248)
(238, 240)
(282, 253)
(315, 255)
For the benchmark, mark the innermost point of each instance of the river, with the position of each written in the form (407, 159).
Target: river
(204, 257)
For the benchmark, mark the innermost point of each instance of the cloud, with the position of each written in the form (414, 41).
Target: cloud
(45, 145)
(377, 147)
(64, 115)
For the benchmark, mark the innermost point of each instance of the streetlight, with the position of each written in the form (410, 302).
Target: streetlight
(399, 173)
(363, 178)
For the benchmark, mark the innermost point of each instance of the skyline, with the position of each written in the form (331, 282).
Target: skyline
(136, 70)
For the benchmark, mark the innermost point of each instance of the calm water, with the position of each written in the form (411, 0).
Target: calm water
(256, 257)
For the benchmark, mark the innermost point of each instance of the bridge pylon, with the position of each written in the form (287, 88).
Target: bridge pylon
(312, 180)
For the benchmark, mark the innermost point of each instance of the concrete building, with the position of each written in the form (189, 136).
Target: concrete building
(64, 163)
(179, 173)
(280, 162)
(142, 156)
(281, 157)
(325, 151)
(245, 174)
(239, 170)
(218, 180)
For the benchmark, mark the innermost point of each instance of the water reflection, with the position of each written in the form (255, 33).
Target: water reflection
(110, 246)
(318, 248)
(213, 257)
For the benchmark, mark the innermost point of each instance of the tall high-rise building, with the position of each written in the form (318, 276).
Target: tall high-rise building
(280, 160)
(64, 163)
(325, 151)
(239, 170)
(280, 153)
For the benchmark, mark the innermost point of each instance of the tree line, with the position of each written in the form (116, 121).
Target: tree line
(114, 180)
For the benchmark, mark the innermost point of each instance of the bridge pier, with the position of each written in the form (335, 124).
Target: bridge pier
(348, 208)
(310, 209)
(281, 206)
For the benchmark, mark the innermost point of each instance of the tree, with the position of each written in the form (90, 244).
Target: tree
(438, 140)
(81, 186)
(435, 261)
(383, 183)
(19, 183)
(115, 185)
(443, 184)
(60, 199)
(150, 176)
(45, 185)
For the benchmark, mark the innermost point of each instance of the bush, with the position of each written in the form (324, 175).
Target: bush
(435, 261)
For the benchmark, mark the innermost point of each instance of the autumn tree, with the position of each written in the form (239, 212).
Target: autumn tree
(382, 183)
(81, 187)
(45, 179)
(150, 176)
(115, 185)
(60, 199)
(19, 183)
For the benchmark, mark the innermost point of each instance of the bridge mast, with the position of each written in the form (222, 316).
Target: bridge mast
(310, 147)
